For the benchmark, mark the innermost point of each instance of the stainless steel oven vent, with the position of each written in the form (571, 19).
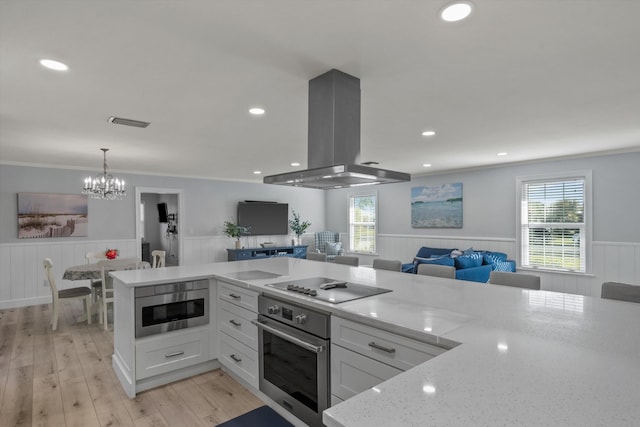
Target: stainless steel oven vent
(333, 148)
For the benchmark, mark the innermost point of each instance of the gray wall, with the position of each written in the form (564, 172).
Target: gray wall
(208, 203)
(490, 199)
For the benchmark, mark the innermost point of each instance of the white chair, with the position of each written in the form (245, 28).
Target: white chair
(347, 260)
(620, 291)
(81, 292)
(316, 256)
(387, 264)
(437, 270)
(96, 284)
(158, 258)
(517, 280)
(106, 290)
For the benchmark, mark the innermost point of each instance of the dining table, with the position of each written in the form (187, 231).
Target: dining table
(93, 271)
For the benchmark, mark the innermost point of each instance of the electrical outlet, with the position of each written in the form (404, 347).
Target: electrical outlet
(45, 283)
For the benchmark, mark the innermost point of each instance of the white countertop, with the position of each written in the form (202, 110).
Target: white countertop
(525, 357)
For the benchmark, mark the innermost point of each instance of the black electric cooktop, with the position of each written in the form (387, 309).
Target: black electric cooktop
(329, 290)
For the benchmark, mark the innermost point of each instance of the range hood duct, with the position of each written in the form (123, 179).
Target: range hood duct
(333, 151)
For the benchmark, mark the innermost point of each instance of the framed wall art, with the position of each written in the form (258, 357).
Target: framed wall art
(437, 206)
(46, 215)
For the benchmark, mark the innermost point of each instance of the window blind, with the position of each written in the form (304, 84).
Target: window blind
(553, 224)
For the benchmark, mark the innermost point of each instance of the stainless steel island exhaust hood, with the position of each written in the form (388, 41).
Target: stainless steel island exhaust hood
(333, 151)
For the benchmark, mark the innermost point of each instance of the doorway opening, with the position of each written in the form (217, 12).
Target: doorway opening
(159, 213)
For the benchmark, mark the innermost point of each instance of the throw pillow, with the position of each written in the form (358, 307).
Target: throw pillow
(504, 266)
(494, 257)
(468, 261)
(332, 248)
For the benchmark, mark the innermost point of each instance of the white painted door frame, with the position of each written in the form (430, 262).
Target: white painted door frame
(179, 192)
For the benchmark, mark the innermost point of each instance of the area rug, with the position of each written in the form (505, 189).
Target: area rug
(263, 416)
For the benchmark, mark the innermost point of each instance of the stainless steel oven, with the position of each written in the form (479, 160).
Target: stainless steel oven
(168, 307)
(294, 357)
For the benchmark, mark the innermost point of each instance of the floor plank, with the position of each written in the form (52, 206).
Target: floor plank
(65, 378)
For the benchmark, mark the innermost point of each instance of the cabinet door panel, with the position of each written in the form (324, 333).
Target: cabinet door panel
(352, 373)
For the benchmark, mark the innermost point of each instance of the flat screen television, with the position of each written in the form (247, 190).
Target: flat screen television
(264, 218)
(162, 212)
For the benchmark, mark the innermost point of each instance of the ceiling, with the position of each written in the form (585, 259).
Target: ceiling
(535, 79)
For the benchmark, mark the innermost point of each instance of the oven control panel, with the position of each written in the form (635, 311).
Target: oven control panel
(296, 315)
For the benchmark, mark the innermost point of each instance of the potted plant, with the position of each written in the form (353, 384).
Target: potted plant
(236, 231)
(297, 226)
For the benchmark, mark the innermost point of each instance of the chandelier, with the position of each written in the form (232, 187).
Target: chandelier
(104, 185)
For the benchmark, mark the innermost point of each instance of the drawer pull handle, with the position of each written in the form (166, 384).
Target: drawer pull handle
(235, 358)
(234, 296)
(379, 347)
(174, 354)
(235, 322)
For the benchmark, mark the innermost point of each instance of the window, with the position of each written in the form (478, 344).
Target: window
(362, 222)
(554, 222)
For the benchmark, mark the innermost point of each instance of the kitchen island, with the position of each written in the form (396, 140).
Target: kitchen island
(516, 357)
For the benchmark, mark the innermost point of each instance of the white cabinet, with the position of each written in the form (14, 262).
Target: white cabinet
(238, 337)
(164, 353)
(352, 373)
(363, 356)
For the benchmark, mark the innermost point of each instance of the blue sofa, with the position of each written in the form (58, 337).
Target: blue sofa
(471, 265)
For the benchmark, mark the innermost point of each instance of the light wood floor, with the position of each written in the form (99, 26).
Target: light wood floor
(65, 378)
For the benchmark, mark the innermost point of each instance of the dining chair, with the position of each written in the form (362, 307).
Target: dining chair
(437, 270)
(81, 292)
(158, 258)
(387, 264)
(517, 280)
(316, 256)
(96, 284)
(106, 290)
(347, 260)
(620, 291)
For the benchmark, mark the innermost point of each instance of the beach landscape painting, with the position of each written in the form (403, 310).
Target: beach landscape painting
(46, 215)
(437, 206)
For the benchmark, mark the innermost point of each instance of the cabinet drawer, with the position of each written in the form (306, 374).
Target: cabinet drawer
(239, 359)
(335, 400)
(168, 352)
(236, 321)
(400, 352)
(352, 373)
(239, 296)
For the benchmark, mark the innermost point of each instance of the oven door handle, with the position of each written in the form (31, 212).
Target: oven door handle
(290, 338)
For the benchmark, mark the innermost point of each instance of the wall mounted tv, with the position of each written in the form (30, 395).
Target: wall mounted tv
(264, 218)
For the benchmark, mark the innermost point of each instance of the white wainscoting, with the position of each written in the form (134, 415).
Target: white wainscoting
(22, 275)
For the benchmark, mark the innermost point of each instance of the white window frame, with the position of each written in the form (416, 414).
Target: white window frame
(521, 217)
(351, 222)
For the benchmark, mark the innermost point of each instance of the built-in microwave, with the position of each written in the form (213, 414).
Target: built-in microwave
(172, 306)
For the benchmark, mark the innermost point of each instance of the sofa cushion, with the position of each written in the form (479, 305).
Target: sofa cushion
(443, 260)
(332, 248)
(427, 252)
(468, 261)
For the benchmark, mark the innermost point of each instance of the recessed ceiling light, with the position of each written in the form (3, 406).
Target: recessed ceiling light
(256, 111)
(53, 65)
(427, 165)
(428, 133)
(502, 153)
(257, 172)
(295, 164)
(456, 11)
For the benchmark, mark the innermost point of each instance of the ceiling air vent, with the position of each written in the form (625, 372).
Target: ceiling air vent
(128, 122)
